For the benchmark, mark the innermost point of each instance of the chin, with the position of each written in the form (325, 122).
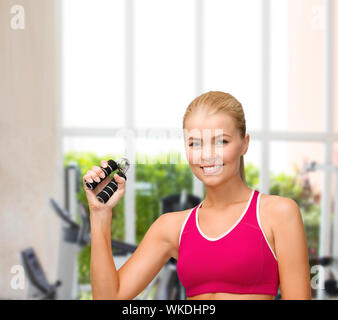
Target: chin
(210, 180)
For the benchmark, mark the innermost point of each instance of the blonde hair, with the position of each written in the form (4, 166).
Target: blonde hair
(217, 101)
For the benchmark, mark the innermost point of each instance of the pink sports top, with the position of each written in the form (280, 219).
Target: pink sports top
(239, 261)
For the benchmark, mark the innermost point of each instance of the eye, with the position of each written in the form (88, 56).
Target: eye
(223, 141)
(198, 144)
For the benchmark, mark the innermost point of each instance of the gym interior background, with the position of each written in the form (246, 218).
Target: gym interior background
(76, 74)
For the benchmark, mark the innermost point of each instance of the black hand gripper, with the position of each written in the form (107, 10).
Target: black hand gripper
(122, 166)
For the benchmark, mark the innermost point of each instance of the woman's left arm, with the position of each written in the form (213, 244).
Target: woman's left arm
(291, 250)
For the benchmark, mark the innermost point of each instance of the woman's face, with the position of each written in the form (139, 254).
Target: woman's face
(213, 146)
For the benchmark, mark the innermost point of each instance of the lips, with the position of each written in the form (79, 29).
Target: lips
(212, 165)
(211, 169)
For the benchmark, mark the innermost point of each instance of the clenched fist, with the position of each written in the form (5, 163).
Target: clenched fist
(94, 175)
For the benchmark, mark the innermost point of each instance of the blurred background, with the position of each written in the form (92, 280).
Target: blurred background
(77, 77)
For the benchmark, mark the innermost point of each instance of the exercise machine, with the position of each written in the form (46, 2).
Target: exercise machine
(40, 287)
(165, 286)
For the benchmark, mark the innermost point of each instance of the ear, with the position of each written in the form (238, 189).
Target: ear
(245, 146)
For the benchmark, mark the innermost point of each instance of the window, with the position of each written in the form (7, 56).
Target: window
(139, 64)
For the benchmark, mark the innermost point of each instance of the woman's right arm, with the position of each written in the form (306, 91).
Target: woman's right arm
(150, 256)
(103, 273)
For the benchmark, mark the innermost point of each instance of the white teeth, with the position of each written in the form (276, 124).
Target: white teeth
(211, 170)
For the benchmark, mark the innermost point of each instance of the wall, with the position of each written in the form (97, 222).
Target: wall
(30, 131)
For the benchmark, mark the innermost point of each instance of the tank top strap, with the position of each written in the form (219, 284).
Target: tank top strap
(189, 223)
(251, 213)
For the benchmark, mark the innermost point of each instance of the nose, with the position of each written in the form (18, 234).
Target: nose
(208, 153)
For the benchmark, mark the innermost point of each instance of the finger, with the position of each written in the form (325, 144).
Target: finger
(94, 175)
(87, 178)
(89, 193)
(91, 197)
(104, 163)
(99, 172)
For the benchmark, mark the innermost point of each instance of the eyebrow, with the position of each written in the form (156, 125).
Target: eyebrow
(220, 135)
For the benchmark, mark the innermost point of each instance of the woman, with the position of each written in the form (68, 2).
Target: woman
(236, 244)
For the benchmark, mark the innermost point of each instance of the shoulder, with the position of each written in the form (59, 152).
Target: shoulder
(278, 203)
(173, 221)
(173, 217)
(281, 210)
(171, 224)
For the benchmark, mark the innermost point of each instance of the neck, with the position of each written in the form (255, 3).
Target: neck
(229, 192)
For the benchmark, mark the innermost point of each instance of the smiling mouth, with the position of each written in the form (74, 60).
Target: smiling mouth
(209, 170)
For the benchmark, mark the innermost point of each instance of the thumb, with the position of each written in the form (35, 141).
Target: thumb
(120, 181)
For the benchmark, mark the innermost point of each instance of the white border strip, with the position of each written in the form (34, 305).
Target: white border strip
(260, 226)
(185, 221)
(233, 227)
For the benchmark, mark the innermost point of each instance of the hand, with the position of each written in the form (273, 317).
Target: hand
(94, 175)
